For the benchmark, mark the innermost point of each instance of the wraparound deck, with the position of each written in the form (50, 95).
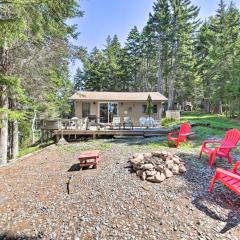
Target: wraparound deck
(75, 133)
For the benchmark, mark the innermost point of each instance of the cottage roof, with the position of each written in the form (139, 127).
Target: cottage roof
(117, 96)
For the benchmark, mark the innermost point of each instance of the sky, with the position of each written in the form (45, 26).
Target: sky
(108, 17)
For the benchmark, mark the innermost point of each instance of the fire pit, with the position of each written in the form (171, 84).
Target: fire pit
(157, 166)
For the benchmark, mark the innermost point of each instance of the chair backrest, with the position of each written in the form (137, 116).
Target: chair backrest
(142, 121)
(185, 129)
(92, 118)
(116, 120)
(127, 119)
(231, 138)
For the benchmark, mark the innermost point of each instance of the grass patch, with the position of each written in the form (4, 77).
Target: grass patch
(86, 146)
(214, 120)
(166, 122)
(30, 149)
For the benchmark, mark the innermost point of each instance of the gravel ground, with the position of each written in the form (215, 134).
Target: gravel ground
(45, 196)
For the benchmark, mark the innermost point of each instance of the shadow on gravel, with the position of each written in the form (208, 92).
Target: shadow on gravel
(10, 236)
(198, 176)
(220, 199)
(74, 168)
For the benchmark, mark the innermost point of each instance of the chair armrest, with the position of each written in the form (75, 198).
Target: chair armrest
(230, 174)
(227, 147)
(172, 133)
(211, 141)
(184, 134)
(236, 166)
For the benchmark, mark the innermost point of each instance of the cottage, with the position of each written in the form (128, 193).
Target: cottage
(106, 105)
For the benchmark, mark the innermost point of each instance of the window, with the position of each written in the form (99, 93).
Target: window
(144, 108)
(129, 109)
(155, 108)
(85, 109)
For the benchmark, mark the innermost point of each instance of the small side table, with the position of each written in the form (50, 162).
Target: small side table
(84, 158)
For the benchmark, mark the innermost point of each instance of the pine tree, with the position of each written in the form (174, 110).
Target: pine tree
(134, 56)
(225, 26)
(160, 24)
(184, 24)
(112, 54)
(79, 80)
(148, 67)
(22, 22)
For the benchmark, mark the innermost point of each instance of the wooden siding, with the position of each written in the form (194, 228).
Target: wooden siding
(122, 107)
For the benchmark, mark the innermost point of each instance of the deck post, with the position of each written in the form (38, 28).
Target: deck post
(57, 138)
(94, 136)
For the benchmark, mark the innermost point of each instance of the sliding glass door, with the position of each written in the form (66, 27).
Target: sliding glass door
(103, 112)
(107, 111)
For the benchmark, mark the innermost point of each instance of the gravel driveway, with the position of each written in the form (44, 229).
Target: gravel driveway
(45, 196)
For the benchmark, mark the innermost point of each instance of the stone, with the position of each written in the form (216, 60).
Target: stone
(168, 173)
(147, 155)
(138, 155)
(144, 175)
(182, 168)
(159, 177)
(157, 154)
(151, 172)
(175, 169)
(169, 164)
(147, 166)
(169, 158)
(135, 160)
(150, 178)
(139, 173)
(160, 168)
(176, 160)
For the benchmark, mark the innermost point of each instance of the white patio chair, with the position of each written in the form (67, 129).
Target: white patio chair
(127, 122)
(142, 122)
(116, 122)
(150, 122)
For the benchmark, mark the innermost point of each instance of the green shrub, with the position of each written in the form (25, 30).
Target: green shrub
(167, 122)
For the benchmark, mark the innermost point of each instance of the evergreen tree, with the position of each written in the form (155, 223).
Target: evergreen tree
(79, 80)
(160, 24)
(112, 54)
(182, 76)
(23, 22)
(225, 27)
(134, 55)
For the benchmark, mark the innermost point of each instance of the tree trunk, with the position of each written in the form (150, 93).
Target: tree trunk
(33, 126)
(207, 106)
(160, 83)
(171, 81)
(14, 133)
(220, 107)
(15, 142)
(3, 125)
(4, 62)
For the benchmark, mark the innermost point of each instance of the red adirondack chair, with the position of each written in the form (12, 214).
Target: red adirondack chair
(181, 135)
(229, 142)
(229, 178)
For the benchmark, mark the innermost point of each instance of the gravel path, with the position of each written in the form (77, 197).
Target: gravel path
(46, 197)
